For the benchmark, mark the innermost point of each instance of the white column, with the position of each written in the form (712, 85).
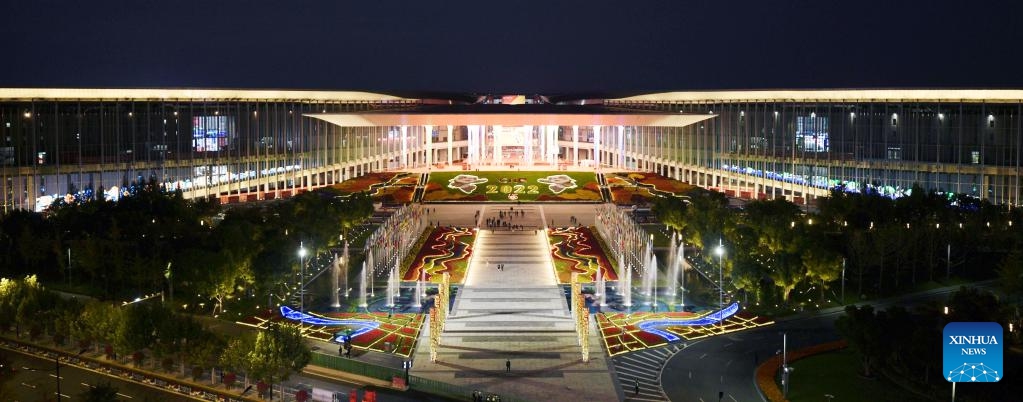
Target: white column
(552, 144)
(575, 145)
(451, 129)
(621, 147)
(429, 145)
(472, 150)
(528, 151)
(498, 157)
(596, 147)
(404, 146)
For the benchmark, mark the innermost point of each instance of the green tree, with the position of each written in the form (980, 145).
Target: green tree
(278, 352)
(862, 330)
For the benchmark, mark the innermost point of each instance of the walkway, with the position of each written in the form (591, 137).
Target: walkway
(518, 315)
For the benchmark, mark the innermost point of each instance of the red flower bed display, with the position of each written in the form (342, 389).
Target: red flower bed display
(401, 330)
(575, 249)
(447, 249)
(621, 332)
(363, 183)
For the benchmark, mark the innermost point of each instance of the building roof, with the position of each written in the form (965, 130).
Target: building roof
(850, 95)
(512, 115)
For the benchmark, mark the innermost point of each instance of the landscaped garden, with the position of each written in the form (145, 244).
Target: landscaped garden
(381, 332)
(575, 249)
(512, 186)
(627, 332)
(446, 249)
(387, 187)
(637, 188)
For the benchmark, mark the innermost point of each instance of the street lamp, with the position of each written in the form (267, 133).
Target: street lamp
(720, 251)
(301, 279)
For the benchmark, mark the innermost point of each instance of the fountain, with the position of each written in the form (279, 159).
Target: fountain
(672, 267)
(680, 263)
(335, 271)
(392, 286)
(601, 290)
(651, 271)
(626, 285)
(648, 275)
(362, 286)
(344, 270)
(371, 267)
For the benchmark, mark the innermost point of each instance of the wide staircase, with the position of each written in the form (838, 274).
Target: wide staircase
(517, 315)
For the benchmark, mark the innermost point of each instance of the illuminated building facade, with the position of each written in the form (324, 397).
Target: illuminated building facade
(242, 145)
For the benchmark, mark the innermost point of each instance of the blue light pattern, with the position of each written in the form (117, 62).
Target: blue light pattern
(364, 326)
(709, 319)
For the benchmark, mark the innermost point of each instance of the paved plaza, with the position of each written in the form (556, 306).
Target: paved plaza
(511, 310)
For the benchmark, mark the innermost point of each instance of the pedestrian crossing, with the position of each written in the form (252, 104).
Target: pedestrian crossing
(639, 372)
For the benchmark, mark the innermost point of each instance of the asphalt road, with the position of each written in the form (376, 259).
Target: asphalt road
(33, 385)
(727, 363)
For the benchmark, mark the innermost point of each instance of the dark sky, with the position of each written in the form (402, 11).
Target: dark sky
(490, 46)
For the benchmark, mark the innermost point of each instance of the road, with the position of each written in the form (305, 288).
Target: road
(32, 385)
(727, 363)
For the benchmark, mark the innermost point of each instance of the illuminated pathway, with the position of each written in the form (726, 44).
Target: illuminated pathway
(520, 315)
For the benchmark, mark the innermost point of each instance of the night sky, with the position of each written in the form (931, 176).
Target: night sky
(484, 46)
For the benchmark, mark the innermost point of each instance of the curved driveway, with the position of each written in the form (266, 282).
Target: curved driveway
(726, 363)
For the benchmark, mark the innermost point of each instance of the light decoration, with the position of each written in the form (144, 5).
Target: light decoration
(363, 326)
(709, 319)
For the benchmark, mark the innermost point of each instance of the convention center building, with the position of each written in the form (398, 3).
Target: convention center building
(247, 145)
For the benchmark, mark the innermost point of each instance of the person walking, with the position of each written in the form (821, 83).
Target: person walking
(507, 366)
(636, 388)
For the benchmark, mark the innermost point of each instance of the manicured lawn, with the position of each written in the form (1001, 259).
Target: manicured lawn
(837, 373)
(512, 186)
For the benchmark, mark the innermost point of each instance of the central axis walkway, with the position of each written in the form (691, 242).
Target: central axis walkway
(518, 314)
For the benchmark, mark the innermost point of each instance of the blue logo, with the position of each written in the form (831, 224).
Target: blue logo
(972, 352)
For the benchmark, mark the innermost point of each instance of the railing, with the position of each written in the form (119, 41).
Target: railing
(355, 367)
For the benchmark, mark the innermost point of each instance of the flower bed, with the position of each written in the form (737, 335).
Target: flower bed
(363, 183)
(401, 330)
(622, 332)
(447, 249)
(506, 186)
(574, 249)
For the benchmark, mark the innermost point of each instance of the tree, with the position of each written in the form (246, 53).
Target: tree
(278, 352)
(862, 330)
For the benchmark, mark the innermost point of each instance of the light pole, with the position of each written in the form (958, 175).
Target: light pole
(720, 251)
(301, 278)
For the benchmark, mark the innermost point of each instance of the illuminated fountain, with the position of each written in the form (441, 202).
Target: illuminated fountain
(650, 279)
(601, 289)
(626, 285)
(335, 272)
(392, 286)
(368, 272)
(344, 270)
(672, 265)
(646, 264)
(362, 285)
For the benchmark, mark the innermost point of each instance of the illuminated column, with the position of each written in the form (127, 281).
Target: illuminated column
(620, 160)
(498, 133)
(404, 146)
(451, 129)
(429, 145)
(528, 153)
(552, 144)
(575, 145)
(473, 132)
(596, 147)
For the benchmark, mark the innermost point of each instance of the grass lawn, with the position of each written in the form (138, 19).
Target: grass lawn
(836, 373)
(512, 186)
